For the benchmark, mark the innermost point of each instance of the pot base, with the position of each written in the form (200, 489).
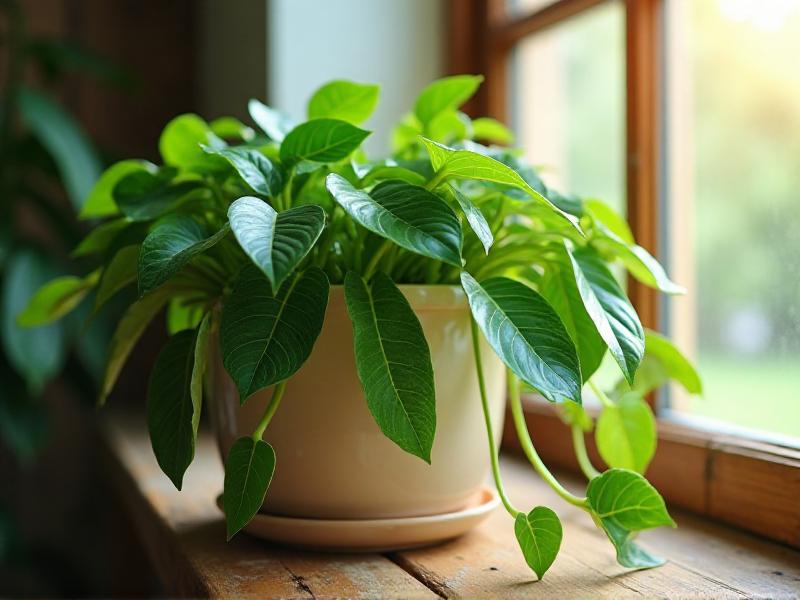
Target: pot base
(372, 535)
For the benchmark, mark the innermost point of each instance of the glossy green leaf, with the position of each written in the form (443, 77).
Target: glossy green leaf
(181, 144)
(446, 93)
(272, 122)
(393, 362)
(265, 337)
(629, 554)
(57, 298)
(475, 219)
(142, 195)
(409, 215)
(64, 140)
(120, 272)
(254, 168)
(639, 263)
(490, 129)
(344, 100)
(321, 141)
(248, 473)
(169, 247)
(539, 536)
(610, 310)
(664, 362)
(100, 202)
(626, 433)
(98, 240)
(275, 242)
(527, 335)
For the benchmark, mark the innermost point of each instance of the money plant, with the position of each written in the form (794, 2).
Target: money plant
(243, 230)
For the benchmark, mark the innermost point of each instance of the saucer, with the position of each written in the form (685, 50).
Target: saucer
(371, 535)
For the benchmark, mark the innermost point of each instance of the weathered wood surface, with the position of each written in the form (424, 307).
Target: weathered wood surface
(183, 533)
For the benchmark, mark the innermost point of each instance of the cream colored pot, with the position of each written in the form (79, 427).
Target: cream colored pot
(333, 462)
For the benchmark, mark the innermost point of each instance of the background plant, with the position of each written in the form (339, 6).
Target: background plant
(243, 232)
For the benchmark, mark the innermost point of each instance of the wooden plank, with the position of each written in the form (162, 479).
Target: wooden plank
(185, 537)
(508, 33)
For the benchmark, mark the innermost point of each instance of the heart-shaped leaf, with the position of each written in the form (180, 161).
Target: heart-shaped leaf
(409, 215)
(321, 141)
(248, 473)
(118, 274)
(172, 244)
(475, 219)
(272, 122)
(275, 242)
(57, 298)
(610, 310)
(663, 362)
(142, 196)
(446, 93)
(629, 554)
(539, 536)
(393, 362)
(181, 144)
(626, 433)
(265, 337)
(100, 202)
(345, 100)
(527, 335)
(254, 168)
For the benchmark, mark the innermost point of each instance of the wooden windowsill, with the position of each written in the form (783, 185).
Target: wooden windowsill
(183, 536)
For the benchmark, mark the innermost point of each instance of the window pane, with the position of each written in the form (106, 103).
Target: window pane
(734, 205)
(523, 7)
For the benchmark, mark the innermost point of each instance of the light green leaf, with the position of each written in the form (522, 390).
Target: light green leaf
(201, 352)
(610, 310)
(142, 196)
(100, 238)
(344, 100)
(629, 554)
(121, 272)
(385, 172)
(607, 218)
(57, 298)
(539, 536)
(527, 335)
(232, 128)
(475, 219)
(265, 337)
(626, 433)
(446, 93)
(181, 144)
(181, 316)
(248, 473)
(100, 202)
(492, 130)
(663, 362)
(64, 140)
(639, 263)
(393, 362)
(409, 215)
(275, 242)
(254, 168)
(450, 126)
(169, 247)
(575, 414)
(271, 121)
(321, 141)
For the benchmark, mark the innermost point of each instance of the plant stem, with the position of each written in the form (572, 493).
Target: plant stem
(487, 417)
(530, 451)
(285, 198)
(277, 394)
(579, 444)
(373, 262)
(438, 177)
(607, 402)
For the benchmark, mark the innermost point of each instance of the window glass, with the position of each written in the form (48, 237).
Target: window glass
(524, 7)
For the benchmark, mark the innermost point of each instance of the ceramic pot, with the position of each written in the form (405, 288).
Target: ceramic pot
(333, 462)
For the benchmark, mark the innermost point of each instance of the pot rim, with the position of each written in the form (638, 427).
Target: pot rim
(421, 296)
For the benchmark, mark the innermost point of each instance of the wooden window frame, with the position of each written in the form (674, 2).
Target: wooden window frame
(750, 483)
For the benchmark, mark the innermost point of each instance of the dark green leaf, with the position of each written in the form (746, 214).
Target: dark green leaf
(663, 362)
(409, 215)
(321, 141)
(446, 93)
(393, 362)
(475, 219)
(275, 242)
(254, 168)
(248, 473)
(120, 272)
(539, 536)
(100, 202)
(272, 122)
(626, 433)
(98, 240)
(57, 298)
(169, 247)
(181, 144)
(345, 100)
(265, 337)
(527, 335)
(142, 195)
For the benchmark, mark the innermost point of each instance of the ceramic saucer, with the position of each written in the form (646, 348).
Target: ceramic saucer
(373, 535)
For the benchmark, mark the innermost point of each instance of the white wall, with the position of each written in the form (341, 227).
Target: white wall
(396, 43)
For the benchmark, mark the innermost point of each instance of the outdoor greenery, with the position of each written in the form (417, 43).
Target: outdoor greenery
(262, 223)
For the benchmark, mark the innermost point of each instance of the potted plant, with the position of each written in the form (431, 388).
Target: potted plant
(329, 298)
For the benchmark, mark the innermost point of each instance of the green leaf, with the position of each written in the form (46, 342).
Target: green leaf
(232, 128)
(527, 335)
(121, 271)
(393, 362)
(321, 141)
(181, 144)
(475, 219)
(169, 247)
(492, 130)
(384, 172)
(539, 536)
(265, 338)
(130, 328)
(57, 298)
(181, 316)
(610, 310)
(275, 242)
(254, 168)
(100, 238)
(344, 100)
(248, 473)
(575, 414)
(409, 215)
(444, 94)
(272, 122)
(603, 214)
(100, 202)
(142, 195)
(450, 126)
(663, 362)
(64, 140)
(170, 406)
(626, 433)
(639, 263)
(623, 503)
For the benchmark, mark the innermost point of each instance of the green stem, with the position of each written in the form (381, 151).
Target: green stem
(286, 194)
(498, 482)
(607, 402)
(529, 450)
(376, 258)
(579, 444)
(277, 394)
(438, 178)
